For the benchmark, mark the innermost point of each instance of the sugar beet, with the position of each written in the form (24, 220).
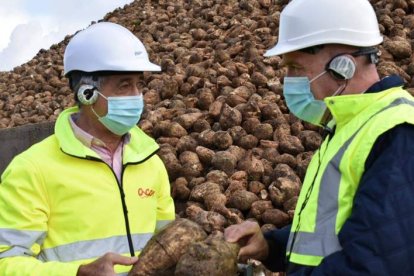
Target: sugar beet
(164, 249)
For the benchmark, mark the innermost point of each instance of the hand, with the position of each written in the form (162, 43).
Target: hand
(250, 237)
(104, 266)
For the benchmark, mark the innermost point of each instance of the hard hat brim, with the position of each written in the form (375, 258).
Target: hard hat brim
(285, 47)
(129, 66)
(134, 66)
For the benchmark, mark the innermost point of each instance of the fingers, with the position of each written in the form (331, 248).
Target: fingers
(234, 233)
(256, 248)
(119, 259)
(249, 236)
(250, 251)
(246, 253)
(104, 265)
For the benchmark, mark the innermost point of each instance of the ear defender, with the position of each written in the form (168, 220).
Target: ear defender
(87, 94)
(341, 67)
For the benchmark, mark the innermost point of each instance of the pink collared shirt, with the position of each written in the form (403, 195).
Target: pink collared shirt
(97, 145)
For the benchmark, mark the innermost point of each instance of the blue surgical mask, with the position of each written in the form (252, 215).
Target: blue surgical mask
(300, 100)
(123, 114)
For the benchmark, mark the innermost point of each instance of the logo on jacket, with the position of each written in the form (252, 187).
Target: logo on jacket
(145, 192)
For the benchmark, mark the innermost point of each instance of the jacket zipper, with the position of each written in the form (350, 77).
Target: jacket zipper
(124, 206)
(125, 210)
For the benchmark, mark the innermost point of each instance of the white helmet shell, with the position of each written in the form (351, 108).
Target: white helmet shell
(106, 46)
(306, 23)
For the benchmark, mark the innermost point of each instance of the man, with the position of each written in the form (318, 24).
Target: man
(354, 213)
(90, 196)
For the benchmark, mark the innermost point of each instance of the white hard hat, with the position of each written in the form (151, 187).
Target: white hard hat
(306, 23)
(106, 46)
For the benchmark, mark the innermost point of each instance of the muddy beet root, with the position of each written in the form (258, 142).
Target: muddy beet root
(164, 249)
(211, 257)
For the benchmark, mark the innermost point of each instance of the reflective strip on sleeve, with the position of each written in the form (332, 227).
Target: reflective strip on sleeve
(19, 241)
(93, 248)
(161, 224)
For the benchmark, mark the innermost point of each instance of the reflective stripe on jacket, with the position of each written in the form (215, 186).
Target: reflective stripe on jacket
(334, 173)
(63, 206)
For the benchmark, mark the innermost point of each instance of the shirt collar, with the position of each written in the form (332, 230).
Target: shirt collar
(87, 139)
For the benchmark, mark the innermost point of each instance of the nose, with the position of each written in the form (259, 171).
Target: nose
(136, 90)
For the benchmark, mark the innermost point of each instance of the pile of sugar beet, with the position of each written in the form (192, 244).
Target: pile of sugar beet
(232, 149)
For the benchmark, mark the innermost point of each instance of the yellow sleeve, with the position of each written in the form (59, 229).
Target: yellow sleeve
(165, 203)
(23, 223)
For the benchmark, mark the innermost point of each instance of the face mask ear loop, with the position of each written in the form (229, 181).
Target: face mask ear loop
(103, 96)
(318, 76)
(341, 89)
(93, 110)
(327, 116)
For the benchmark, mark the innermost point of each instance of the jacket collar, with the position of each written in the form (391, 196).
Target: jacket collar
(345, 107)
(386, 83)
(140, 147)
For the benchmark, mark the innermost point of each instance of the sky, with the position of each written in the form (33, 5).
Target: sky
(26, 26)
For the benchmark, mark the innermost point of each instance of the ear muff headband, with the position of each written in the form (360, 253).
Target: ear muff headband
(372, 53)
(87, 94)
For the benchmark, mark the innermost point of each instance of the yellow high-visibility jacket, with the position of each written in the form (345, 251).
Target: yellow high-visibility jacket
(334, 174)
(62, 206)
